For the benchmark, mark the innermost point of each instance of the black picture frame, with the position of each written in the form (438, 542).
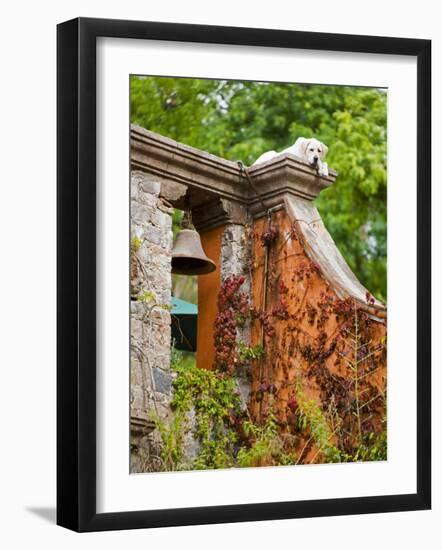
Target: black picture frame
(76, 274)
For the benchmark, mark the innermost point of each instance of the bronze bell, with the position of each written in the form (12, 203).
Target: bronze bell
(188, 256)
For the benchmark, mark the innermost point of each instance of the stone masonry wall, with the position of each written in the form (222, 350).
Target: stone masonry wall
(236, 250)
(151, 378)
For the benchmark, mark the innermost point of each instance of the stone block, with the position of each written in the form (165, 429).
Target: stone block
(162, 316)
(162, 220)
(149, 200)
(136, 373)
(166, 296)
(133, 189)
(138, 398)
(153, 234)
(136, 329)
(141, 214)
(163, 381)
(145, 182)
(151, 187)
(162, 361)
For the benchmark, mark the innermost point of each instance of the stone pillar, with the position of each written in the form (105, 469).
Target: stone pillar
(225, 230)
(151, 377)
(236, 245)
(236, 249)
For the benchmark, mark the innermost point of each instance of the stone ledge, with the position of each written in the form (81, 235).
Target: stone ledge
(140, 426)
(172, 162)
(208, 177)
(282, 175)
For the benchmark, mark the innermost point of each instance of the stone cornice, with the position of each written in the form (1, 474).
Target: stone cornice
(285, 175)
(209, 177)
(219, 212)
(169, 160)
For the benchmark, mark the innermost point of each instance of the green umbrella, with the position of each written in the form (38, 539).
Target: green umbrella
(184, 324)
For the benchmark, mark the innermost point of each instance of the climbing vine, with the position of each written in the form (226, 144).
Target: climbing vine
(233, 312)
(311, 420)
(344, 418)
(267, 447)
(216, 405)
(328, 406)
(207, 405)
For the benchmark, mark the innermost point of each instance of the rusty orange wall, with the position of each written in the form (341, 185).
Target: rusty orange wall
(284, 362)
(208, 289)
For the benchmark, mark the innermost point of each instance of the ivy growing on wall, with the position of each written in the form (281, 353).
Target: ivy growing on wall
(207, 405)
(342, 424)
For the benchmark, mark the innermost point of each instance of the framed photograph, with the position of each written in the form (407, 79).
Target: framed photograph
(243, 274)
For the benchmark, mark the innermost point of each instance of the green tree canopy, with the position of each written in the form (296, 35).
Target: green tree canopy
(240, 120)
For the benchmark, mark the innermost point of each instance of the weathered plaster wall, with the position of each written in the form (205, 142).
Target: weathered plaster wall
(208, 288)
(307, 345)
(151, 378)
(230, 247)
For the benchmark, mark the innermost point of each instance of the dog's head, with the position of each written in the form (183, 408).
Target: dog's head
(314, 151)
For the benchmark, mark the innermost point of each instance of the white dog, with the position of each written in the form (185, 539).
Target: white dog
(310, 150)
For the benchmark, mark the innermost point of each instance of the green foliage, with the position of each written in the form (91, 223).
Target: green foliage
(174, 107)
(147, 296)
(373, 447)
(176, 356)
(172, 432)
(213, 399)
(185, 359)
(267, 446)
(250, 353)
(312, 418)
(185, 287)
(241, 120)
(325, 431)
(135, 244)
(208, 404)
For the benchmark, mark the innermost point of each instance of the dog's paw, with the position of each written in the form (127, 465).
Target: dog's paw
(323, 170)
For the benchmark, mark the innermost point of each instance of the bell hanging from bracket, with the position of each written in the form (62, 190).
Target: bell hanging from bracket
(188, 256)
